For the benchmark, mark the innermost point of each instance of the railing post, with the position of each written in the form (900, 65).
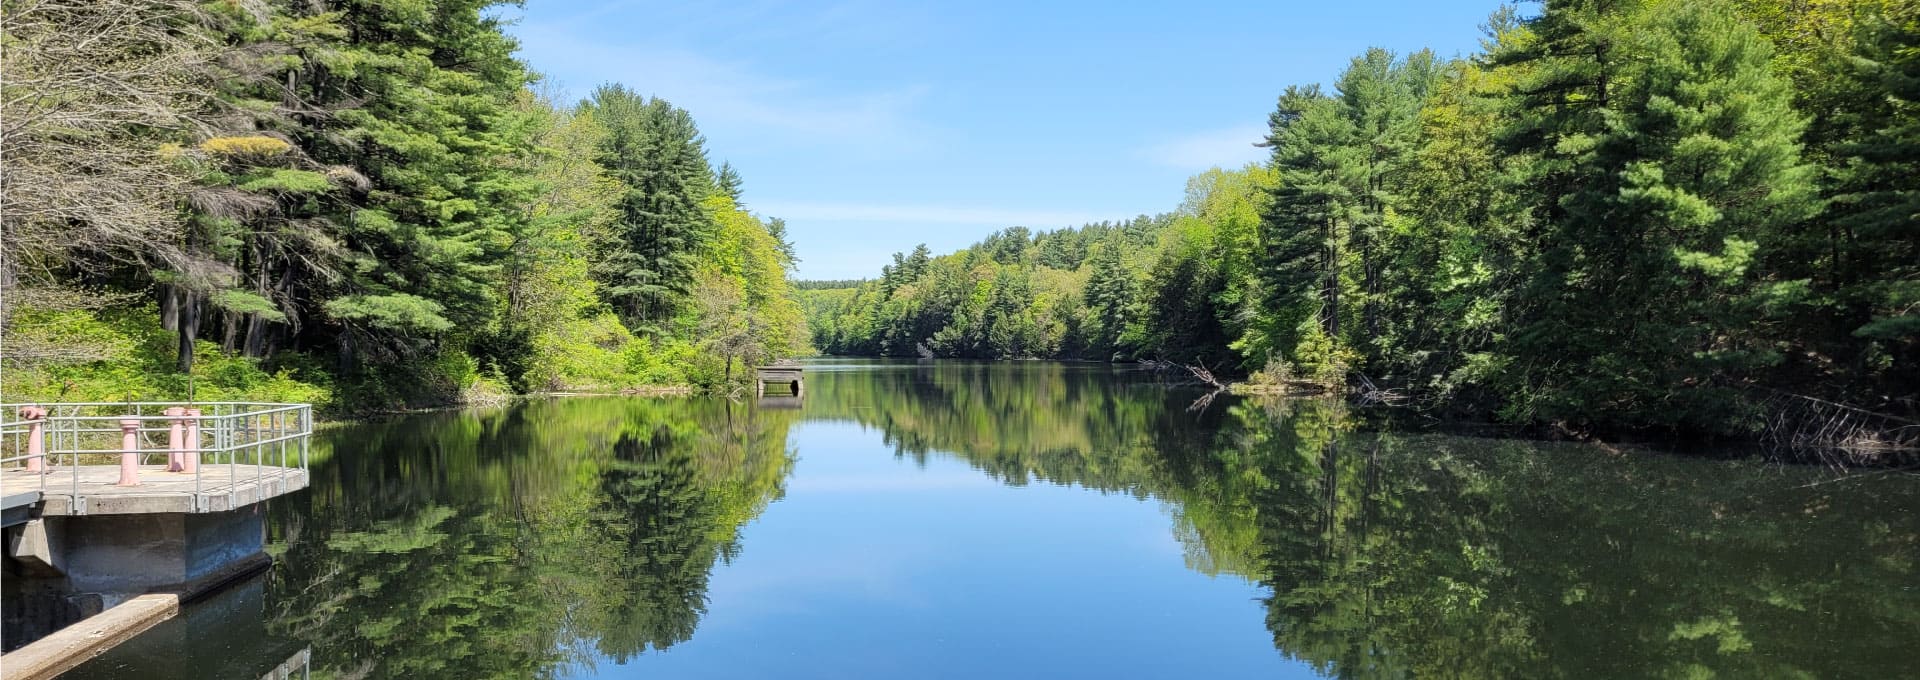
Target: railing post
(175, 434)
(36, 438)
(306, 432)
(190, 457)
(129, 452)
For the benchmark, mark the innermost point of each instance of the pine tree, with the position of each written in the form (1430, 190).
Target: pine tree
(1306, 226)
(1689, 160)
(1109, 298)
(778, 228)
(1381, 98)
(656, 153)
(727, 181)
(366, 181)
(1875, 209)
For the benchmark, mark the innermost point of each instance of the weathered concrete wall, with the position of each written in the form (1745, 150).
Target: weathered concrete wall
(31, 607)
(217, 540)
(119, 556)
(104, 560)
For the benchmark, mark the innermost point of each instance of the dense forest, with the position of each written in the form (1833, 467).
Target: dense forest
(1651, 215)
(368, 204)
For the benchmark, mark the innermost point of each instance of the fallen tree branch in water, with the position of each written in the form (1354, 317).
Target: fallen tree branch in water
(1372, 394)
(1798, 421)
(1200, 405)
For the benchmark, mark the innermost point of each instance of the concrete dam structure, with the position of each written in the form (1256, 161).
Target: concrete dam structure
(106, 503)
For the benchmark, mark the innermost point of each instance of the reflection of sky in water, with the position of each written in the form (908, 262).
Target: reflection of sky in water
(873, 567)
(465, 544)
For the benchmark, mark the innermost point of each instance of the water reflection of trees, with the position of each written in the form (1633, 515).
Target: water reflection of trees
(1421, 555)
(513, 543)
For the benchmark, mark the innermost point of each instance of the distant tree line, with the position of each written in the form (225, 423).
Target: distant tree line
(369, 197)
(1650, 214)
(827, 284)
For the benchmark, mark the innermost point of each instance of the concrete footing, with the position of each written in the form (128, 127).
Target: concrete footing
(67, 571)
(68, 647)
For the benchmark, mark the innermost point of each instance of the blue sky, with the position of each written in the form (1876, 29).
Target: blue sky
(874, 126)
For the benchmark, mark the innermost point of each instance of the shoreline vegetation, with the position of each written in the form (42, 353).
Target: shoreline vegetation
(372, 209)
(1651, 219)
(1660, 218)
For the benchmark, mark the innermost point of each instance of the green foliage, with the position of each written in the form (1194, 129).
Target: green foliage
(401, 313)
(287, 181)
(656, 154)
(1619, 217)
(118, 355)
(422, 224)
(809, 284)
(1623, 215)
(1874, 244)
(1687, 160)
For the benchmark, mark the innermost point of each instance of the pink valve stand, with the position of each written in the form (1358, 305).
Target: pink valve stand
(176, 432)
(190, 456)
(36, 437)
(129, 452)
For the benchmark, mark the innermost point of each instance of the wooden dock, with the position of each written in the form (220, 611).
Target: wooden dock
(790, 376)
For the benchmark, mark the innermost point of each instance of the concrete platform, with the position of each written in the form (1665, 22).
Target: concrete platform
(220, 488)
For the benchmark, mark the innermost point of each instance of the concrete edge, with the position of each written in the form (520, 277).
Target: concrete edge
(92, 636)
(71, 646)
(222, 577)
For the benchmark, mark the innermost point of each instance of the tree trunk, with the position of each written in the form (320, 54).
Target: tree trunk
(1332, 321)
(169, 308)
(256, 336)
(189, 309)
(231, 337)
(1370, 283)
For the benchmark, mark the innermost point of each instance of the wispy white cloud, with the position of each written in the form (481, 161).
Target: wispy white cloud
(735, 100)
(1228, 147)
(922, 214)
(889, 482)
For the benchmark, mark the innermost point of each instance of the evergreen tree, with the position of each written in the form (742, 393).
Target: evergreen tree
(438, 78)
(1381, 98)
(727, 181)
(656, 153)
(1109, 299)
(1875, 211)
(778, 228)
(1690, 158)
(1306, 227)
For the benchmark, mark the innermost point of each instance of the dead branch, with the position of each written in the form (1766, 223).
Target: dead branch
(92, 93)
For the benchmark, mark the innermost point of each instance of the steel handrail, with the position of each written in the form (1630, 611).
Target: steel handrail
(225, 432)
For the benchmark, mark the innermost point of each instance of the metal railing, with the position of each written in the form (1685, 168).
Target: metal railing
(221, 446)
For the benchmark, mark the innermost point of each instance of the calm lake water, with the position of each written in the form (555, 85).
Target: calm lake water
(1035, 520)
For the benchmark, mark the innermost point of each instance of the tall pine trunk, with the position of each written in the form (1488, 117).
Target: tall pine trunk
(188, 307)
